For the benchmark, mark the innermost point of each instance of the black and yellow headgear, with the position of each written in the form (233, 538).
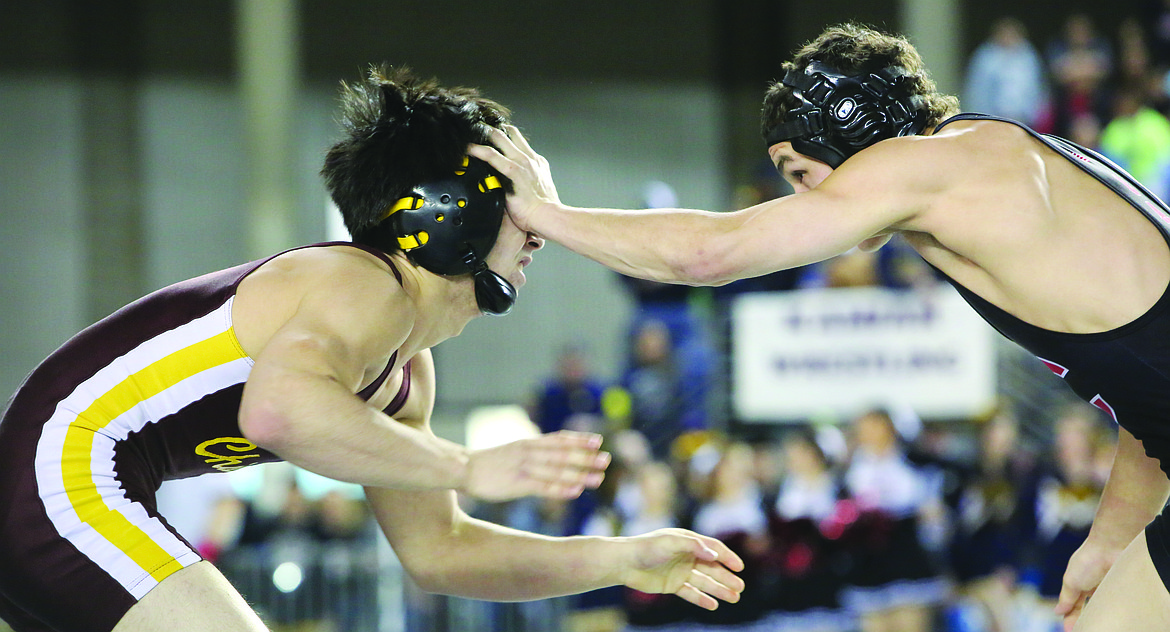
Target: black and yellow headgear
(449, 225)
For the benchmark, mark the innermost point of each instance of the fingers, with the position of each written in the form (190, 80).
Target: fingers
(691, 566)
(518, 140)
(566, 463)
(717, 580)
(509, 141)
(507, 148)
(492, 156)
(557, 465)
(502, 152)
(561, 482)
(697, 597)
(705, 591)
(1070, 599)
(708, 549)
(724, 555)
(718, 583)
(715, 568)
(572, 437)
(1069, 606)
(1069, 621)
(571, 449)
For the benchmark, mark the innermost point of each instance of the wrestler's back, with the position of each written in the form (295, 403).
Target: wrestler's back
(1025, 228)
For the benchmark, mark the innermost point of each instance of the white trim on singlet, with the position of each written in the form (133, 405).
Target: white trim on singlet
(75, 454)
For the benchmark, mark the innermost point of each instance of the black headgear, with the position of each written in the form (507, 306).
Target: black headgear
(449, 225)
(840, 115)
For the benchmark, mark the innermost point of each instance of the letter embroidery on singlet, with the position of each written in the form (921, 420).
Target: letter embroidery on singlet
(227, 463)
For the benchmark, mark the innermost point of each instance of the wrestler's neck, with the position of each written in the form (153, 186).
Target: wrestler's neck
(443, 304)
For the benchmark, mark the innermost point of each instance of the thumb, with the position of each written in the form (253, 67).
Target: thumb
(693, 545)
(667, 545)
(706, 553)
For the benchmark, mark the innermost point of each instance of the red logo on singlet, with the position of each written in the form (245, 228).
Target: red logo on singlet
(1059, 369)
(1104, 405)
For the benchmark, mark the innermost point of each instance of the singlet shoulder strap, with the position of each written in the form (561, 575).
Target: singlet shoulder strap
(975, 116)
(368, 392)
(403, 392)
(1096, 165)
(325, 244)
(374, 251)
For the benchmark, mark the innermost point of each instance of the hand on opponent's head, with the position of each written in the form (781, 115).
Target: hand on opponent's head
(531, 176)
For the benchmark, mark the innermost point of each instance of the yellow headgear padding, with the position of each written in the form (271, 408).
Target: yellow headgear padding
(410, 242)
(409, 202)
(463, 169)
(489, 183)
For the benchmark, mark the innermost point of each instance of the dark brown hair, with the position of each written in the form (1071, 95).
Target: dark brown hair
(400, 131)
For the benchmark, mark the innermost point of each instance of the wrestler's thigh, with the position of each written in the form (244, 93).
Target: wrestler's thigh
(1131, 597)
(195, 599)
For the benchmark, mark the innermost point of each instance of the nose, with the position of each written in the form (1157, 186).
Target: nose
(535, 242)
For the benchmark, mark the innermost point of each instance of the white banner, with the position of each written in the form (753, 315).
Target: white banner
(841, 351)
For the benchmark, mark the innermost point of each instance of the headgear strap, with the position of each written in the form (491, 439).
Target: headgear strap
(448, 226)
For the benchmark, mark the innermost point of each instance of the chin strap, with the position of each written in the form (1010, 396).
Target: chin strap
(494, 295)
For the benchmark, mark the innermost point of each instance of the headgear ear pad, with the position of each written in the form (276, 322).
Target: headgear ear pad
(449, 225)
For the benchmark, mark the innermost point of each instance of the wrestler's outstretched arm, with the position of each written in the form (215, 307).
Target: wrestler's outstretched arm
(445, 551)
(861, 200)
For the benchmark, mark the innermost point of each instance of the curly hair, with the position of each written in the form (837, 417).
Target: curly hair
(400, 131)
(854, 49)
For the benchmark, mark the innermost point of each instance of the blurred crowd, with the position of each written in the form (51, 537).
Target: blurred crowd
(880, 522)
(1105, 91)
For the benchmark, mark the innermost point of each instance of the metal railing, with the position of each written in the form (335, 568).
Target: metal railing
(298, 584)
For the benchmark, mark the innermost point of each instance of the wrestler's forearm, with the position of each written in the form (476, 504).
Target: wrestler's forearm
(1136, 491)
(446, 551)
(667, 245)
(707, 248)
(497, 563)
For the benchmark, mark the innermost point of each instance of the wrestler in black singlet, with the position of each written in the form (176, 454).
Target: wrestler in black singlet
(1125, 371)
